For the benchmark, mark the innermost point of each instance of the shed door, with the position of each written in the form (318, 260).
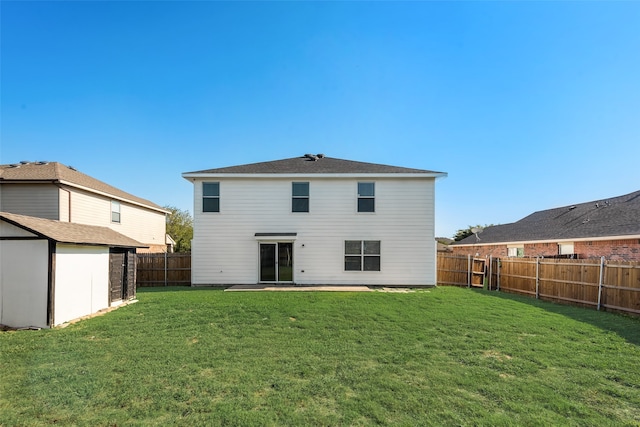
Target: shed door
(117, 276)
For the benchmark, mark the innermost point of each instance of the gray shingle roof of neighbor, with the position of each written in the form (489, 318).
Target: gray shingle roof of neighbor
(617, 216)
(314, 164)
(59, 173)
(69, 232)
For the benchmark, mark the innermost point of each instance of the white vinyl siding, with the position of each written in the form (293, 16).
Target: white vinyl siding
(225, 250)
(39, 200)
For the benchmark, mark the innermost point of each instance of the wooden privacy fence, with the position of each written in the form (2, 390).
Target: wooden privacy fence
(600, 284)
(164, 270)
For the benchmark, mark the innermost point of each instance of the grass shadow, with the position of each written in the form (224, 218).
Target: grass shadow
(625, 326)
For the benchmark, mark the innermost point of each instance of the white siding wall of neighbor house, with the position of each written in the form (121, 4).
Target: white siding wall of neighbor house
(40, 200)
(24, 267)
(141, 224)
(81, 281)
(225, 249)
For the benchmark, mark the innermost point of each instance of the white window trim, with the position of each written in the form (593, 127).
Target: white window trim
(211, 197)
(116, 204)
(358, 197)
(361, 255)
(308, 197)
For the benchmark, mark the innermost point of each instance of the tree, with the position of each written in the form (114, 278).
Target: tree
(180, 228)
(466, 232)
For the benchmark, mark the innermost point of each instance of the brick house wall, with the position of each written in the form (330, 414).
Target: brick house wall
(619, 250)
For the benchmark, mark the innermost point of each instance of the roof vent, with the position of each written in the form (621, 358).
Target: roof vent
(24, 162)
(320, 155)
(572, 207)
(42, 162)
(72, 168)
(14, 165)
(311, 157)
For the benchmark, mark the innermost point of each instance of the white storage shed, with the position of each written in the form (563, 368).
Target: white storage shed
(52, 272)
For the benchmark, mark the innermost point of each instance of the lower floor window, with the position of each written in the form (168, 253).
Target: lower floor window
(516, 252)
(362, 255)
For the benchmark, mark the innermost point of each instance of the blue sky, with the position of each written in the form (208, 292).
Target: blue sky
(526, 105)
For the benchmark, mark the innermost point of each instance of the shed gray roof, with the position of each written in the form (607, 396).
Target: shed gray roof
(617, 216)
(69, 232)
(306, 165)
(59, 173)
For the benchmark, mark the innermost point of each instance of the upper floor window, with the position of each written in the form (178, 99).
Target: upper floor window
(210, 197)
(115, 211)
(300, 197)
(362, 255)
(366, 197)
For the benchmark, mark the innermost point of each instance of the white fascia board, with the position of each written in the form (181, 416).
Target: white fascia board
(192, 176)
(111, 196)
(567, 240)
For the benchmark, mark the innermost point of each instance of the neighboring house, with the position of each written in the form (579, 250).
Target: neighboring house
(52, 190)
(314, 220)
(443, 244)
(52, 272)
(607, 227)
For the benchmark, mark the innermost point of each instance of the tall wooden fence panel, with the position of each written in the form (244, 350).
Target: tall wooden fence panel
(621, 286)
(164, 270)
(453, 270)
(599, 284)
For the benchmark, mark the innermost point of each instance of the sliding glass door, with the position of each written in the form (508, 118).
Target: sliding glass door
(276, 262)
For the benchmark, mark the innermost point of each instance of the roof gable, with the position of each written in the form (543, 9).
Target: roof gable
(314, 164)
(617, 216)
(57, 172)
(69, 232)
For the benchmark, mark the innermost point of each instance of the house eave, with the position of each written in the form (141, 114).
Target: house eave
(563, 240)
(428, 175)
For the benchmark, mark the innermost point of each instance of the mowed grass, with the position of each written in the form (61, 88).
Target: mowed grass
(445, 356)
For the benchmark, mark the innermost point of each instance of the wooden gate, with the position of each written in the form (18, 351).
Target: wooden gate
(478, 271)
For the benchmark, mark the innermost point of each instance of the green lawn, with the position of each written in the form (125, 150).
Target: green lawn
(445, 356)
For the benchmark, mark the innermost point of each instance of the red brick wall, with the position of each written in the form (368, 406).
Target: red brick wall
(482, 251)
(621, 250)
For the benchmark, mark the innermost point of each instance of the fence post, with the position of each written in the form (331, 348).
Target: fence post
(600, 282)
(499, 264)
(490, 269)
(537, 277)
(469, 271)
(165, 267)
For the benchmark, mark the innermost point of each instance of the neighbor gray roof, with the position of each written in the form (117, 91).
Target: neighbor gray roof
(69, 232)
(617, 216)
(59, 173)
(306, 165)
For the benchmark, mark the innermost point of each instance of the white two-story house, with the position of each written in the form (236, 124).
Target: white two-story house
(55, 191)
(314, 220)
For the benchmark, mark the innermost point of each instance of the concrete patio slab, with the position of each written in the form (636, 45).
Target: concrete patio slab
(277, 288)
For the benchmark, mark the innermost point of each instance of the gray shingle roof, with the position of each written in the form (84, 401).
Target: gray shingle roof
(69, 232)
(305, 165)
(57, 172)
(617, 216)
